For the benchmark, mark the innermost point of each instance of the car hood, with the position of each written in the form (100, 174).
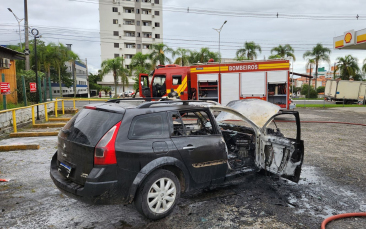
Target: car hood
(256, 110)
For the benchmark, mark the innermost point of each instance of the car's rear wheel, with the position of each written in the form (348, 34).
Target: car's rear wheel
(158, 195)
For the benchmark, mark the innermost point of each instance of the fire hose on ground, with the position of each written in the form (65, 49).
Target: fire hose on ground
(340, 216)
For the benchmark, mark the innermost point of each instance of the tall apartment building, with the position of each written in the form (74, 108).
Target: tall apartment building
(128, 27)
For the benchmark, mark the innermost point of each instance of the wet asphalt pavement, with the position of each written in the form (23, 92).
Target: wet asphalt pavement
(333, 181)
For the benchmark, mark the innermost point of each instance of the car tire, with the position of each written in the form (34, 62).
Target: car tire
(155, 202)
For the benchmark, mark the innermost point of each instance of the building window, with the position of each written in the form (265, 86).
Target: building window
(137, 11)
(157, 13)
(138, 46)
(138, 34)
(138, 23)
(145, 46)
(127, 66)
(130, 46)
(146, 23)
(156, 1)
(115, 9)
(157, 24)
(177, 80)
(116, 45)
(129, 23)
(115, 33)
(116, 55)
(129, 11)
(115, 21)
(157, 35)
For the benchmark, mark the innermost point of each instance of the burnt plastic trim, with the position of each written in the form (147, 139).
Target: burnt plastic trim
(152, 166)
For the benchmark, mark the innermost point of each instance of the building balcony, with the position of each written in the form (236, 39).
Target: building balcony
(128, 16)
(146, 29)
(146, 17)
(129, 27)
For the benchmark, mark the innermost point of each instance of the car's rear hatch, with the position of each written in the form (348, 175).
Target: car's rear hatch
(78, 138)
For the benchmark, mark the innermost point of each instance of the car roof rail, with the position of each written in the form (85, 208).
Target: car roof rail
(185, 102)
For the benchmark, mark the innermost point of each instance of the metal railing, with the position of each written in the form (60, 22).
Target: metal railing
(55, 102)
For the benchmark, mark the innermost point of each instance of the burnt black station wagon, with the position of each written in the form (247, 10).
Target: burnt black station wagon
(109, 153)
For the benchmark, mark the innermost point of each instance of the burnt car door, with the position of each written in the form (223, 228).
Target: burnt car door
(279, 154)
(200, 144)
(274, 152)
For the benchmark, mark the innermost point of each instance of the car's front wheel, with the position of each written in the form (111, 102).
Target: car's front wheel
(158, 195)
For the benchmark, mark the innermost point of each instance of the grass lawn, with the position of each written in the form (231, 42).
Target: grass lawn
(328, 105)
(12, 105)
(308, 99)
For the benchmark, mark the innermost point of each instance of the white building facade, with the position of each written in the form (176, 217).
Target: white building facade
(128, 27)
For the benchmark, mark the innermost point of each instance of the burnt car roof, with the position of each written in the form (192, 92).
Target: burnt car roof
(122, 107)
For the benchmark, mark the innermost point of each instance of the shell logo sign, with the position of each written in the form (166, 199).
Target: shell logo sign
(348, 38)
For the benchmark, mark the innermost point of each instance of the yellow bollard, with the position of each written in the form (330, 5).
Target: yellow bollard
(45, 112)
(74, 104)
(33, 119)
(56, 108)
(63, 107)
(14, 121)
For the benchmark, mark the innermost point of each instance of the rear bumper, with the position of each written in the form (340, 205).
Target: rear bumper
(99, 192)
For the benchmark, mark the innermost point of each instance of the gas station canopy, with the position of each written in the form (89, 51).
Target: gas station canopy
(351, 40)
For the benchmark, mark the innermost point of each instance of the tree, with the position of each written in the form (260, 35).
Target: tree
(140, 60)
(93, 81)
(202, 56)
(310, 65)
(305, 90)
(248, 51)
(347, 67)
(319, 54)
(106, 90)
(320, 89)
(112, 65)
(364, 66)
(282, 52)
(158, 54)
(183, 58)
(123, 73)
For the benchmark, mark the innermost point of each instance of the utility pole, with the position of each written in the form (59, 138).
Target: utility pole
(87, 77)
(26, 51)
(219, 31)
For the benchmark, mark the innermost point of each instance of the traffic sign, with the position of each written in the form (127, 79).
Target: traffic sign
(33, 87)
(5, 88)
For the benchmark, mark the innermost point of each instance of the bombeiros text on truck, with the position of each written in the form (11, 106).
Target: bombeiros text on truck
(225, 82)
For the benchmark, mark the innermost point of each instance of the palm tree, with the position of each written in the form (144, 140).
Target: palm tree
(140, 60)
(182, 56)
(158, 54)
(248, 51)
(112, 65)
(310, 65)
(47, 58)
(319, 53)
(347, 67)
(282, 52)
(204, 55)
(123, 73)
(364, 65)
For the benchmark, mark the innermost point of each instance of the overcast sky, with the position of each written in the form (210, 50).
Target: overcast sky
(77, 23)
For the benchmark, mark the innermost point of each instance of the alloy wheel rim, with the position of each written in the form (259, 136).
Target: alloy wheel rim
(161, 195)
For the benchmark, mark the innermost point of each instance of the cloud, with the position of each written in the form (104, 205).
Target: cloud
(77, 23)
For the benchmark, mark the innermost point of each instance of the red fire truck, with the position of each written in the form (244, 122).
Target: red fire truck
(266, 80)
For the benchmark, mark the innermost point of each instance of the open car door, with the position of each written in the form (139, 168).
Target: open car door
(144, 86)
(273, 152)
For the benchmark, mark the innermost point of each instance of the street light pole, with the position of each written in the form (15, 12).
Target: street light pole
(20, 36)
(35, 34)
(219, 31)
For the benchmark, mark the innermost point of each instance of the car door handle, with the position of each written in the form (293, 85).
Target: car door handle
(189, 147)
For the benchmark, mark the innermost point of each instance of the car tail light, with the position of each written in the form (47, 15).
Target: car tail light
(105, 153)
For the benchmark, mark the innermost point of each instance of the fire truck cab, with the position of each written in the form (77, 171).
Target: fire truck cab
(265, 80)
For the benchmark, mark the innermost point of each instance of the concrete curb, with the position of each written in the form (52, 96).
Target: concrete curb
(50, 125)
(32, 134)
(58, 119)
(18, 147)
